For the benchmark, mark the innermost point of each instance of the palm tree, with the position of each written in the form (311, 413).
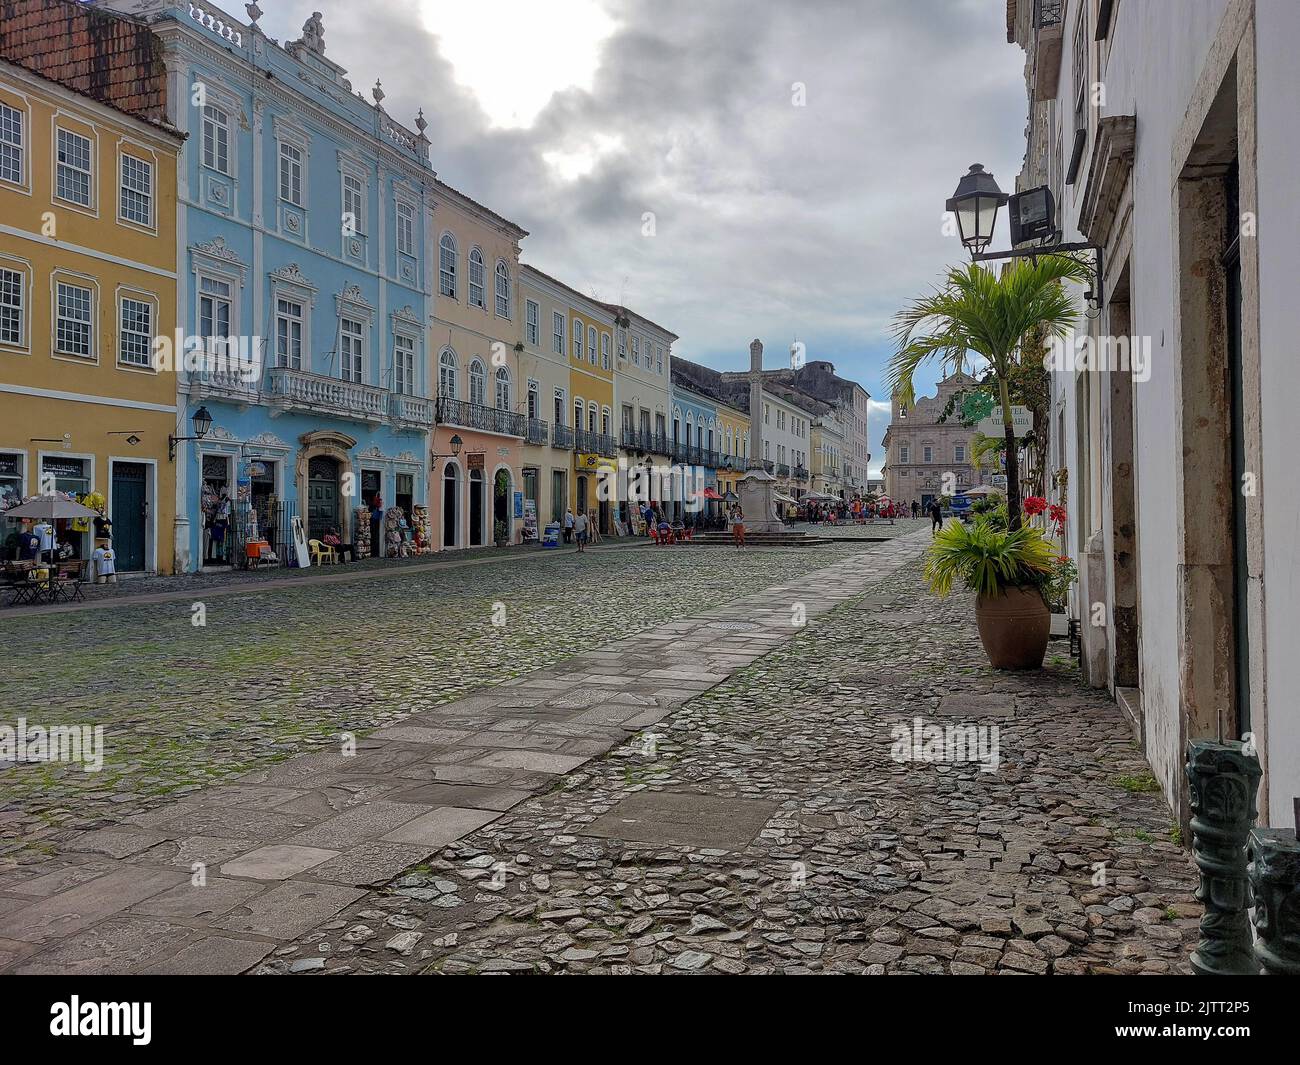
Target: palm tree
(988, 314)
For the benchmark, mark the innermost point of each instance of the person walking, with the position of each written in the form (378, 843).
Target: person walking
(568, 525)
(916, 509)
(737, 526)
(580, 531)
(936, 516)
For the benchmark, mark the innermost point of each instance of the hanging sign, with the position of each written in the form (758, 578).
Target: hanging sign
(1022, 420)
(474, 460)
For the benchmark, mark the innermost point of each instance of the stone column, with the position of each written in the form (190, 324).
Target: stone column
(756, 400)
(1222, 780)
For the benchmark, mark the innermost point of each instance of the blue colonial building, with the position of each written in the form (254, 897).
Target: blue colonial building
(695, 432)
(303, 220)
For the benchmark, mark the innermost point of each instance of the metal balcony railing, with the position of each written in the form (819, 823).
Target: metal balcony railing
(299, 390)
(535, 431)
(1049, 12)
(476, 416)
(644, 440)
(591, 442)
(562, 437)
(799, 473)
(782, 469)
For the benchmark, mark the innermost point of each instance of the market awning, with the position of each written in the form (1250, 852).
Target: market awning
(709, 493)
(781, 497)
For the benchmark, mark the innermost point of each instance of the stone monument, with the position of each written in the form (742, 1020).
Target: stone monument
(757, 485)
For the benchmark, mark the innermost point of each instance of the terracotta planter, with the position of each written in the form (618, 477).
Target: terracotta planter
(1014, 628)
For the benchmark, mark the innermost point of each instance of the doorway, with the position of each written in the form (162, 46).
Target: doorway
(476, 508)
(450, 504)
(501, 506)
(559, 494)
(130, 515)
(1123, 561)
(322, 495)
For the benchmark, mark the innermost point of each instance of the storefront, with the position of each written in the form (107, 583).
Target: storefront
(480, 493)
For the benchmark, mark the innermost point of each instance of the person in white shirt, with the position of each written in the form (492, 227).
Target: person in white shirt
(580, 528)
(568, 524)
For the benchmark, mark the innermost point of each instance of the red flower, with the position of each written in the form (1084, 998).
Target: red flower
(1034, 505)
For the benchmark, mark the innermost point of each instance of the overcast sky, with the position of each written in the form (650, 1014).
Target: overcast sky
(577, 118)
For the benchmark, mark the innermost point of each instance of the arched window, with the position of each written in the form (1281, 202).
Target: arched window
(577, 339)
(447, 265)
(447, 374)
(477, 383)
(476, 277)
(578, 408)
(503, 388)
(503, 290)
(592, 413)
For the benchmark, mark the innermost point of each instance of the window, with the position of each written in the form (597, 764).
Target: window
(659, 359)
(11, 477)
(352, 345)
(288, 334)
(577, 340)
(591, 344)
(557, 332)
(622, 344)
(604, 351)
(591, 418)
(405, 229)
(636, 351)
(136, 201)
(503, 388)
(447, 266)
(74, 330)
(903, 453)
(476, 279)
(214, 309)
(404, 365)
(959, 453)
(559, 406)
(216, 139)
(72, 182)
(354, 203)
(11, 144)
(604, 420)
(477, 383)
(11, 307)
(135, 333)
(532, 322)
(447, 375)
(578, 408)
(534, 400)
(927, 454)
(291, 174)
(503, 290)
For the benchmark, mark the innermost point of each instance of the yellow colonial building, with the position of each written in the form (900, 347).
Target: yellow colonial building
(591, 392)
(87, 282)
(733, 446)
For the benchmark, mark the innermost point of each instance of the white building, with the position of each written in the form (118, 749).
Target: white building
(1170, 135)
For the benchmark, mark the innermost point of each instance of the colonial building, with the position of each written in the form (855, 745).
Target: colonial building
(477, 329)
(306, 278)
(88, 273)
(926, 458)
(642, 395)
(1173, 454)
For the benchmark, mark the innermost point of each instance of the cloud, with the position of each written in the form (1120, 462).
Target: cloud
(771, 219)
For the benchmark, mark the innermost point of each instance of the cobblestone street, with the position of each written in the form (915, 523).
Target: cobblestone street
(750, 814)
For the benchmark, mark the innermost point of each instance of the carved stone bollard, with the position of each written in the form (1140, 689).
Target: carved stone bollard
(1222, 781)
(1275, 880)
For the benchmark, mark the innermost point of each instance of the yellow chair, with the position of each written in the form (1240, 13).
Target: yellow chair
(321, 553)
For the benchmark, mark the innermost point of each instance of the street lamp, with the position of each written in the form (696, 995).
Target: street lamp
(975, 205)
(202, 423)
(456, 444)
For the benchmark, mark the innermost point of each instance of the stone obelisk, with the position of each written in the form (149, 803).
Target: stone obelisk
(757, 486)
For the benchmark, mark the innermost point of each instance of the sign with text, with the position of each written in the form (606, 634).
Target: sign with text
(1022, 420)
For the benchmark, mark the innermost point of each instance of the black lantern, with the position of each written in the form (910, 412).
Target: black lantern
(456, 444)
(202, 423)
(975, 205)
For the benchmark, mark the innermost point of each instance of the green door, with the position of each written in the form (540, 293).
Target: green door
(322, 496)
(130, 512)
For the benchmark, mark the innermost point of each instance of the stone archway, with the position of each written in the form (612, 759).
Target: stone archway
(326, 443)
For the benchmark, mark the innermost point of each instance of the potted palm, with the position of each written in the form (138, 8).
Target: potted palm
(1006, 569)
(1004, 318)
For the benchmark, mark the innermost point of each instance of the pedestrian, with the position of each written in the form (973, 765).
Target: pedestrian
(568, 525)
(936, 516)
(738, 526)
(916, 509)
(580, 531)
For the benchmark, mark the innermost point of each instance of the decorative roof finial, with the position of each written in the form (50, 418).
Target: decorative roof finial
(378, 93)
(254, 13)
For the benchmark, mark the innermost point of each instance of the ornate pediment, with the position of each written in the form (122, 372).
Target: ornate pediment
(1108, 173)
(293, 275)
(216, 249)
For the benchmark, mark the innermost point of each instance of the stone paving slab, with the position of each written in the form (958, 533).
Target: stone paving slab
(285, 847)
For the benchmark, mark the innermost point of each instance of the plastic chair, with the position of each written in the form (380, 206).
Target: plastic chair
(321, 554)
